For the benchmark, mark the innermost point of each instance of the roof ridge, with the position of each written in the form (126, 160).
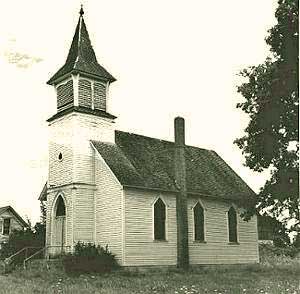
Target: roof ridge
(162, 140)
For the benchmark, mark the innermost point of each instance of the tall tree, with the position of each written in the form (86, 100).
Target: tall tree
(271, 93)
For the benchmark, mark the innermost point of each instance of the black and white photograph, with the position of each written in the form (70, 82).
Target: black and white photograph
(149, 147)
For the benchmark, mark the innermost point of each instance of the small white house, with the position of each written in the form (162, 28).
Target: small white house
(10, 220)
(153, 202)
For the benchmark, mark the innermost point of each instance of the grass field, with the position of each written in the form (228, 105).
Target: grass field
(272, 279)
(275, 275)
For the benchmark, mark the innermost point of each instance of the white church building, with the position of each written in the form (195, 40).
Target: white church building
(154, 202)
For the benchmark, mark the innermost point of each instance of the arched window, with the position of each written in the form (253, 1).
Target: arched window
(60, 207)
(198, 222)
(232, 225)
(159, 220)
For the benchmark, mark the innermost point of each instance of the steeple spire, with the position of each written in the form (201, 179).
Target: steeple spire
(82, 58)
(81, 12)
(82, 84)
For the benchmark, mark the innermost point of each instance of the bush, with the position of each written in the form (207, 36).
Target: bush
(271, 251)
(20, 239)
(89, 258)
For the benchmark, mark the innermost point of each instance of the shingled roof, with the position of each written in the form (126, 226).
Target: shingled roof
(82, 58)
(144, 162)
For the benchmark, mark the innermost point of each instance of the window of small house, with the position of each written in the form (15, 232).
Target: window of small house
(60, 208)
(232, 225)
(6, 226)
(198, 222)
(159, 220)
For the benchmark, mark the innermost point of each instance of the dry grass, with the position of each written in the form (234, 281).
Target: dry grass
(273, 276)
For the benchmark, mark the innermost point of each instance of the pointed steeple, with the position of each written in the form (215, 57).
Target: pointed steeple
(82, 58)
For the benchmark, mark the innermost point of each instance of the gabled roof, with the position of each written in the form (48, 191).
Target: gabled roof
(43, 195)
(5, 208)
(82, 58)
(144, 162)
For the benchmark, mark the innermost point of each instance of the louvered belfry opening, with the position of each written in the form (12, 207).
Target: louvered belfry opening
(159, 220)
(181, 198)
(65, 95)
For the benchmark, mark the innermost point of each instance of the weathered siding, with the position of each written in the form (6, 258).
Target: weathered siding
(140, 248)
(74, 174)
(109, 197)
(217, 249)
(86, 128)
(84, 214)
(61, 141)
(71, 136)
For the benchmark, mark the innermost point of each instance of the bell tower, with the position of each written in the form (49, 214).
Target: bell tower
(82, 83)
(81, 86)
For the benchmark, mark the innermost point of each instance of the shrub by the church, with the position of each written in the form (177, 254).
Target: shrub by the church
(89, 258)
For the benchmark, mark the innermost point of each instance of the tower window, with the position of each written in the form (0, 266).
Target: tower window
(60, 207)
(232, 225)
(198, 222)
(60, 157)
(159, 220)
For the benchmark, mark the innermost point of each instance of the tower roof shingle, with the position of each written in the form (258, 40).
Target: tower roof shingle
(82, 58)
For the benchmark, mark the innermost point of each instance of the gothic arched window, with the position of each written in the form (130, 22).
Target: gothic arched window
(159, 220)
(232, 225)
(198, 222)
(60, 207)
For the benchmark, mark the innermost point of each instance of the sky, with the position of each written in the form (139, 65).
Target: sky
(170, 58)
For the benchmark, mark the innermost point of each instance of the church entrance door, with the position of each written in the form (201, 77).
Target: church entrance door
(60, 233)
(60, 226)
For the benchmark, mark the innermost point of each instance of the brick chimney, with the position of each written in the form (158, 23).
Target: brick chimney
(181, 199)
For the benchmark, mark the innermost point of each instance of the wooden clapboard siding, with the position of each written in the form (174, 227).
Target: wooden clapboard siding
(71, 135)
(217, 250)
(83, 217)
(140, 248)
(85, 93)
(65, 96)
(109, 197)
(61, 141)
(86, 128)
